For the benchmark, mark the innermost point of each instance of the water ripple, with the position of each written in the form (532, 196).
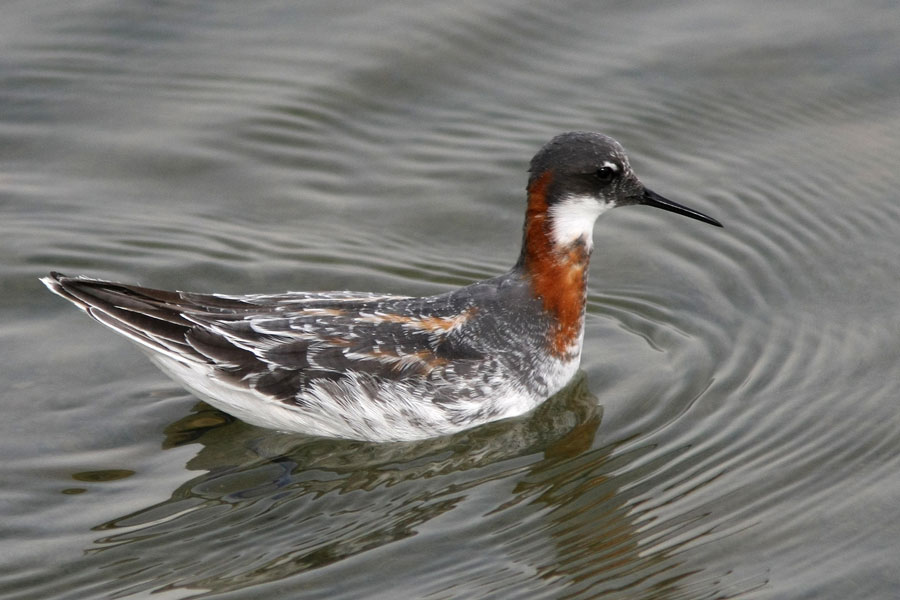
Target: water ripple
(747, 375)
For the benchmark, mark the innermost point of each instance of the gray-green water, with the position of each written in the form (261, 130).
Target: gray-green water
(735, 429)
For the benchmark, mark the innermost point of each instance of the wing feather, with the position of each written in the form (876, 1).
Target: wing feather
(281, 344)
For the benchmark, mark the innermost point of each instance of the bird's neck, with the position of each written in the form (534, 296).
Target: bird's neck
(557, 271)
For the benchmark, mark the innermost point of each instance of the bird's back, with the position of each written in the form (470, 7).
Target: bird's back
(347, 364)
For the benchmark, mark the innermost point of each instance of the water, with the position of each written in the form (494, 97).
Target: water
(735, 429)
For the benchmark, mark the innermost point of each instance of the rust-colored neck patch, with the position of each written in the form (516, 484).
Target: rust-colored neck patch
(558, 275)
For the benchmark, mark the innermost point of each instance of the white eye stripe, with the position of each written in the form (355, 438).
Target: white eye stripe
(611, 165)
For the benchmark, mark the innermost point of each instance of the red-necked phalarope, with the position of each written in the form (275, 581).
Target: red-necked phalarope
(382, 367)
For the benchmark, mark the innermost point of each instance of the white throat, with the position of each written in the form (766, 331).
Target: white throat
(573, 218)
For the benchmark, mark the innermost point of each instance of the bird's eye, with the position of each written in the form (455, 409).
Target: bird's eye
(604, 174)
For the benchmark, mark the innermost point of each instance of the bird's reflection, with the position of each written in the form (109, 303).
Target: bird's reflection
(241, 461)
(270, 508)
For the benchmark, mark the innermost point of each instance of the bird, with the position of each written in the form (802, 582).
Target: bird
(383, 367)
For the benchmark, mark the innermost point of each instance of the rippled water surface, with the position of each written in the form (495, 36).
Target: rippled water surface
(734, 431)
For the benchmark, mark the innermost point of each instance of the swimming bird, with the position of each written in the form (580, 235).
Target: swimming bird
(382, 367)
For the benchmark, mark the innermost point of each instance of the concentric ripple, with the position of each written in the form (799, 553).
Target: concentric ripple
(734, 430)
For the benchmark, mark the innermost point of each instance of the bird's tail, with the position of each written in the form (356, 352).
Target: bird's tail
(146, 316)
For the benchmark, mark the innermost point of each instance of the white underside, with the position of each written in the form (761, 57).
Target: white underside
(348, 409)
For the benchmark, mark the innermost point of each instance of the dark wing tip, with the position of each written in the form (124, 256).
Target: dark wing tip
(52, 281)
(57, 283)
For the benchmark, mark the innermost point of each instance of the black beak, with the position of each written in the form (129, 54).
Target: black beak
(653, 199)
